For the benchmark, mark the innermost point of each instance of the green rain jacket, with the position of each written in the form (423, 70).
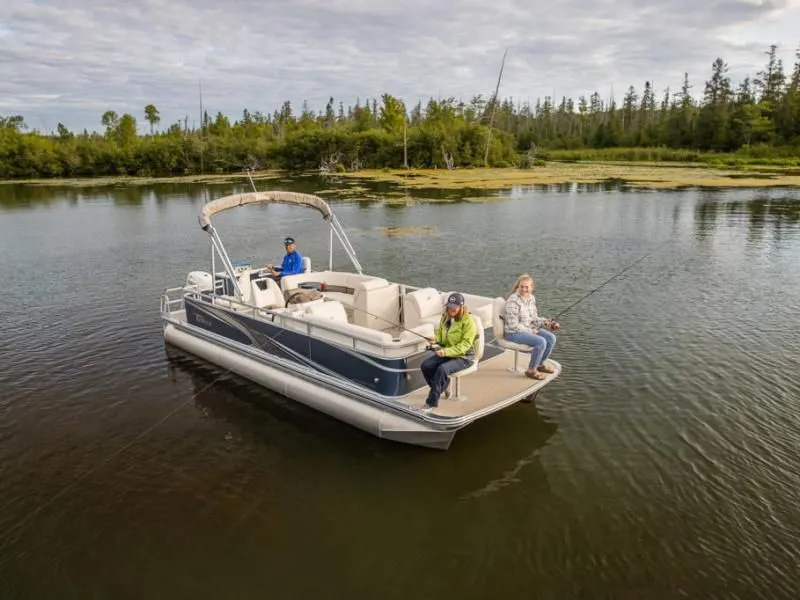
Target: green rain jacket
(458, 340)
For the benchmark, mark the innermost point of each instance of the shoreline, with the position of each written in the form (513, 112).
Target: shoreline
(121, 180)
(650, 175)
(633, 175)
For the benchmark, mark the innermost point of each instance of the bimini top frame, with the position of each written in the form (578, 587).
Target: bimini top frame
(272, 197)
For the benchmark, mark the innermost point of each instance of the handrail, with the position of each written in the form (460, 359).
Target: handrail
(305, 359)
(308, 324)
(334, 380)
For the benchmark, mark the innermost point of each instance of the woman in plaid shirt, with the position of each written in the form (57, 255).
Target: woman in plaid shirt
(523, 325)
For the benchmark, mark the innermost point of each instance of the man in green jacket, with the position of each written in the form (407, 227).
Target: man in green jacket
(456, 335)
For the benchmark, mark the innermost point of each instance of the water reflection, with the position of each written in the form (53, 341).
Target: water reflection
(761, 213)
(673, 458)
(128, 196)
(26, 196)
(612, 184)
(510, 441)
(19, 196)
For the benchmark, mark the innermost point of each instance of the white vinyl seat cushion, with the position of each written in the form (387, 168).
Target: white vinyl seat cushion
(330, 311)
(422, 306)
(477, 305)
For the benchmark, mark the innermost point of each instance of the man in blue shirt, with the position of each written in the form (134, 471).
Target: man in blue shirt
(292, 263)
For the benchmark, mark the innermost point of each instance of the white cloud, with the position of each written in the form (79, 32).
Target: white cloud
(71, 60)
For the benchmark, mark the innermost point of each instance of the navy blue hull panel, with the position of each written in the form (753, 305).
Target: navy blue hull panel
(347, 363)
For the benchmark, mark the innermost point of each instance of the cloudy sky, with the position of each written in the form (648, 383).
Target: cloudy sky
(71, 60)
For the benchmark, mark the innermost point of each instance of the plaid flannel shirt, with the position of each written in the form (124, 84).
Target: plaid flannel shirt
(521, 315)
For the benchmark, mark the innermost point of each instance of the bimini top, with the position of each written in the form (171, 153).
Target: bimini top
(226, 202)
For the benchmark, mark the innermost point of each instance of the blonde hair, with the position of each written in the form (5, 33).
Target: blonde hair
(520, 279)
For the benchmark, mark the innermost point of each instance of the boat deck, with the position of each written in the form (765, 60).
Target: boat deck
(492, 386)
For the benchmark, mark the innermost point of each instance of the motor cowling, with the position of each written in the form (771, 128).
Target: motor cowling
(204, 281)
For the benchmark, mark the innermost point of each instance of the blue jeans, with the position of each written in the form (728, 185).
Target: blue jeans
(436, 370)
(541, 344)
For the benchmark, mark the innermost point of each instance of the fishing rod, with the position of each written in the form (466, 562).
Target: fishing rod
(385, 320)
(552, 323)
(606, 282)
(324, 287)
(251, 180)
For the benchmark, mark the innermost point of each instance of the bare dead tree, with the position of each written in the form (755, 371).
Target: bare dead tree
(448, 160)
(494, 106)
(252, 163)
(328, 164)
(405, 143)
(530, 158)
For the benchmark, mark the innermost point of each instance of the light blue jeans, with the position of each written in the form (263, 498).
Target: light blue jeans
(541, 344)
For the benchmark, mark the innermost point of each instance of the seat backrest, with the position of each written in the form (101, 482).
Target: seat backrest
(420, 305)
(306, 264)
(498, 326)
(376, 304)
(269, 296)
(243, 279)
(340, 278)
(333, 311)
(480, 340)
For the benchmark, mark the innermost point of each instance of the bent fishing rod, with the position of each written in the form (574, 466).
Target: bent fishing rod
(552, 323)
(607, 281)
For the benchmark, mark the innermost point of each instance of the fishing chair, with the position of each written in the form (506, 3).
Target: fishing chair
(454, 387)
(498, 329)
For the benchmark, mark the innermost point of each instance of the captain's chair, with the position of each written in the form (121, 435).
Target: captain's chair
(265, 293)
(498, 329)
(454, 387)
(306, 265)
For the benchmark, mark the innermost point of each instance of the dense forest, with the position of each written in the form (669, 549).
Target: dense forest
(754, 118)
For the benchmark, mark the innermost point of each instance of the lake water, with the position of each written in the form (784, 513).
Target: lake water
(662, 464)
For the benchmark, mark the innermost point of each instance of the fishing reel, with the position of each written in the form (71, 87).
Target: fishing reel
(433, 347)
(553, 325)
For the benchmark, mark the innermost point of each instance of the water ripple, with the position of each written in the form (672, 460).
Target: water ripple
(661, 463)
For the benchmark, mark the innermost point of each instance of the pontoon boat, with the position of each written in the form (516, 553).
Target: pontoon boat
(345, 343)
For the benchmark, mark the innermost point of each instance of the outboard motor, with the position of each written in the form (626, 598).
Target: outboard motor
(201, 279)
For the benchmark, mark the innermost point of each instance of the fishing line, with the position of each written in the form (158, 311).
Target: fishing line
(602, 285)
(385, 320)
(114, 454)
(122, 449)
(67, 488)
(331, 288)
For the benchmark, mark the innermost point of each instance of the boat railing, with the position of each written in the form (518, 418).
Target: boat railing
(360, 344)
(171, 303)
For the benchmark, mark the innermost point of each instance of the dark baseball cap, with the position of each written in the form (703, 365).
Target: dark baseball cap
(455, 300)
(288, 240)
